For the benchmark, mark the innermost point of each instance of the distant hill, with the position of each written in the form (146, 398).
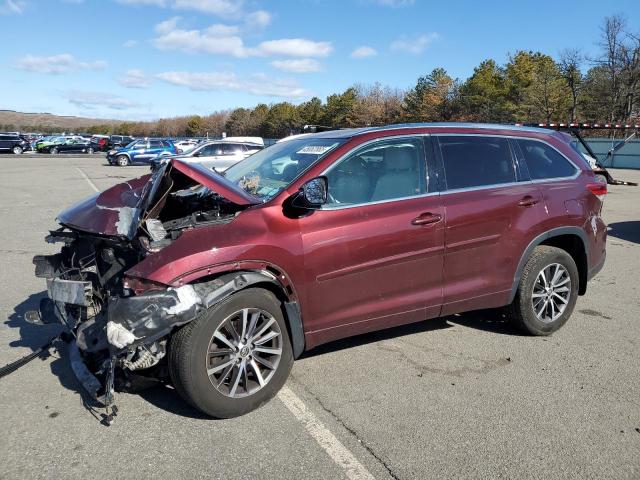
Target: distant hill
(46, 122)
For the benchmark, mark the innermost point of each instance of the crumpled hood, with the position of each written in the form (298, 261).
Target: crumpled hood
(109, 213)
(117, 211)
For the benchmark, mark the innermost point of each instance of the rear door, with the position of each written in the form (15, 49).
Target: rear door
(490, 207)
(374, 253)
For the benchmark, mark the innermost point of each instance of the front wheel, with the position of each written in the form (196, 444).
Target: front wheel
(53, 151)
(90, 151)
(122, 160)
(235, 357)
(547, 291)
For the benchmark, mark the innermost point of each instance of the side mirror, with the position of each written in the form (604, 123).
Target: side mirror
(313, 194)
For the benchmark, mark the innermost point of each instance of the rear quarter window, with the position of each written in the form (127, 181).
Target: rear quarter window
(544, 161)
(476, 161)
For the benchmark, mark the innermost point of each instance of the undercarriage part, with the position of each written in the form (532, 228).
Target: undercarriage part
(146, 357)
(13, 366)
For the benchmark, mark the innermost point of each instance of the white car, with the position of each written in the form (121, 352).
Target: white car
(220, 154)
(184, 146)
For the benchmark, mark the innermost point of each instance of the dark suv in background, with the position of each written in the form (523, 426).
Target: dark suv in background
(223, 280)
(117, 141)
(13, 142)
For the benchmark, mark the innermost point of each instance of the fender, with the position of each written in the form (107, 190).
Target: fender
(229, 283)
(554, 232)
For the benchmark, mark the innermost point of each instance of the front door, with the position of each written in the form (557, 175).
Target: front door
(374, 253)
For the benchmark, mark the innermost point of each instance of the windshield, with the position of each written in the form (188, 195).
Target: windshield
(267, 172)
(131, 144)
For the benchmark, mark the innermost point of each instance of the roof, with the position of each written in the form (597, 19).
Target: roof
(352, 132)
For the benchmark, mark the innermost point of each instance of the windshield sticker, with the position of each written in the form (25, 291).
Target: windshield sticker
(315, 149)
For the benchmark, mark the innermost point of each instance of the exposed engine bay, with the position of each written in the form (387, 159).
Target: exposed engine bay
(120, 326)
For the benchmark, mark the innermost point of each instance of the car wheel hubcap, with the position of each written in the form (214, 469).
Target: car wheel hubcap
(551, 292)
(244, 352)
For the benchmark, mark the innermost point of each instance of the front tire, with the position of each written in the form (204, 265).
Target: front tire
(235, 357)
(122, 160)
(547, 291)
(90, 151)
(53, 151)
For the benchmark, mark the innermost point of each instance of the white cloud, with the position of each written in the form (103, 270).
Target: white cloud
(302, 65)
(415, 45)
(199, 41)
(12, 7)
(363, 52)
(92, 100)
(395, 3)
(57, 64)
(130, 43)
(222, 8)
(135, 79)
(294, 47)
(258, 19)
(224, 81)
(221, 39)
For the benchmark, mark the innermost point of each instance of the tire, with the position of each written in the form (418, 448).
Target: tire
(189, 360)
(90, 151)
(53, 151)
(122, 160)
(531, 295)
(17, 150)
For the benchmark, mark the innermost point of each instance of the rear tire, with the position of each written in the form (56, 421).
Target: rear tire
(529, 310)
(122, 160)
(90, 151)
(17, 150)
(197, 359)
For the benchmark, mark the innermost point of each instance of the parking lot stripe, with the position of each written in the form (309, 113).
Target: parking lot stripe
(354, 470)
(89, 181)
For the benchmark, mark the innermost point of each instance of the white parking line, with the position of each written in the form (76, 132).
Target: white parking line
(354, 470)
(89, 181)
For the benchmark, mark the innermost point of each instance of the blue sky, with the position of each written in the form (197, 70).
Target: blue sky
(144, 59)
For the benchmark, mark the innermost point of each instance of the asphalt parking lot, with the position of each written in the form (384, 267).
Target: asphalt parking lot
(460, 397)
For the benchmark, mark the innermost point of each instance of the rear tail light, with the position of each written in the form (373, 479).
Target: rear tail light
(599, 189)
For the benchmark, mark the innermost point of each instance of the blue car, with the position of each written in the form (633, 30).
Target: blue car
(141, 151)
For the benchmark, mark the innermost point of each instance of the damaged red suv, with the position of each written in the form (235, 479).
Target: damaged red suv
(216, 283)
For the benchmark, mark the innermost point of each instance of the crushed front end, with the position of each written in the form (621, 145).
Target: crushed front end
(121, 325)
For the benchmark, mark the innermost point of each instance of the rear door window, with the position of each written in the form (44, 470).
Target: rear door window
(545, 162)
(476, 161)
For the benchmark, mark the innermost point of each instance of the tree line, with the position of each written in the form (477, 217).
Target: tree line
(529, 87)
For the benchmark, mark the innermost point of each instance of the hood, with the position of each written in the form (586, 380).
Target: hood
(216, 182)
(109, 213)
(118, 210)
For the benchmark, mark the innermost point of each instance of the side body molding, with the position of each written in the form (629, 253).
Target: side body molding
(555, 232)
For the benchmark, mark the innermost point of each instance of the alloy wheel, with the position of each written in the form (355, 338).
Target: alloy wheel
(244, 352)
(551, 292)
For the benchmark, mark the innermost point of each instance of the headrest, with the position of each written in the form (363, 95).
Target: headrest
(400, 158)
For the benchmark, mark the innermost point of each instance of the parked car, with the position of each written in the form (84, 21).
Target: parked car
(68, 145)
(236, 275)
(141, 151)
(118, 141)
(44, 145)
(99, 142)
(220, 154)
(183, 146)
(15, 143)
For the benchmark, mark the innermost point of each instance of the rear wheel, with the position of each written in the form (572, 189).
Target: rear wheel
(90, 150)
(17, 150)
(547, 291)
(122, 160)
(235, 357)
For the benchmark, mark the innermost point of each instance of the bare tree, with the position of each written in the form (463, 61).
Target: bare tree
(570, 62)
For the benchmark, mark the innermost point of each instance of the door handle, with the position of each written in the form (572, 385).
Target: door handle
(528, 201)
(426, 219)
